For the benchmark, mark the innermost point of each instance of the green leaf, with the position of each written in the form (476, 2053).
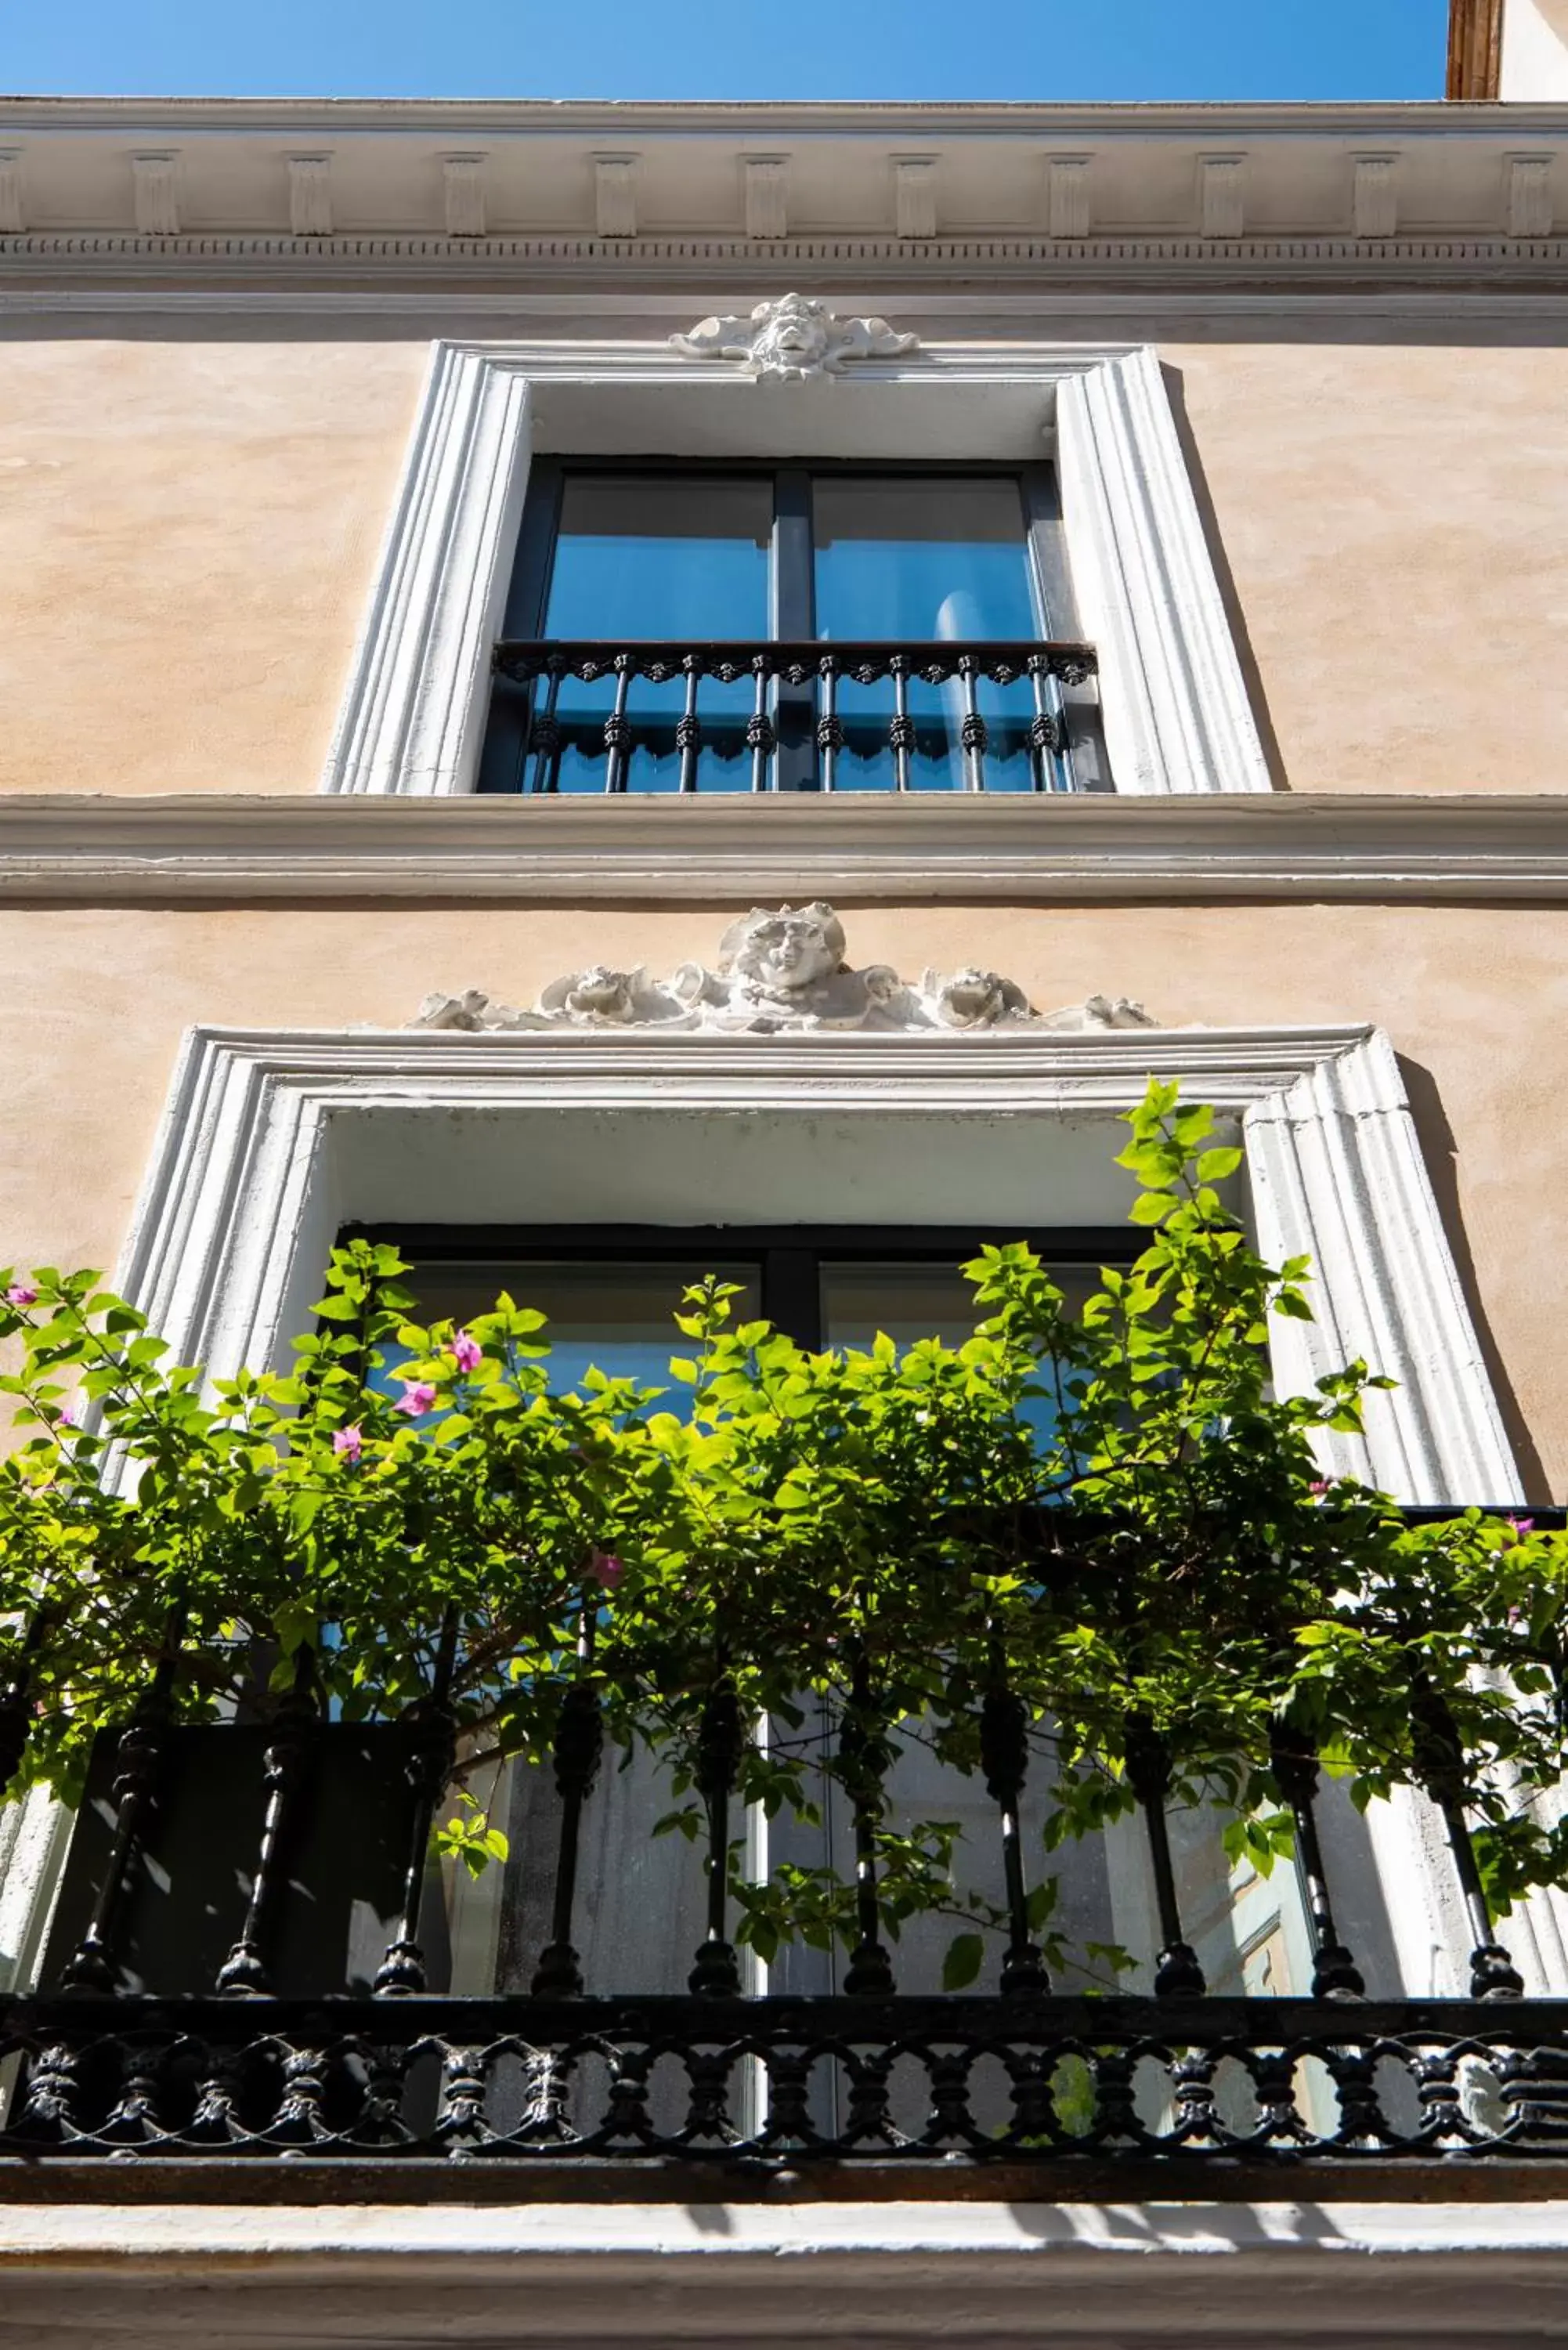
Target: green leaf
(965, 1956)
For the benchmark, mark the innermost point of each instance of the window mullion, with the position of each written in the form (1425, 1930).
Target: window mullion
(792, 1295)
(792, 611)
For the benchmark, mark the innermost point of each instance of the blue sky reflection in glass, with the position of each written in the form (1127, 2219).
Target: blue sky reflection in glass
(928, 560)
(683, 558)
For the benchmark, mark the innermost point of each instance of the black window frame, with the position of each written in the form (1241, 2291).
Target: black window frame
(789, 1257)
(792, 586)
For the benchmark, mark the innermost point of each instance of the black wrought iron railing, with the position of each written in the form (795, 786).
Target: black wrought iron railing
(209, 1988)
(775, 2084)
(638, 717)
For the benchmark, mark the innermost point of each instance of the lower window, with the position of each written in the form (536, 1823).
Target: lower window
(608, 1293)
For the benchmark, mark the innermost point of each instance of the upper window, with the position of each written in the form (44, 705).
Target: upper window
(691, 628)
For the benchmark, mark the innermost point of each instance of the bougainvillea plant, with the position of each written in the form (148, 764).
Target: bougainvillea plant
(1102, 1518)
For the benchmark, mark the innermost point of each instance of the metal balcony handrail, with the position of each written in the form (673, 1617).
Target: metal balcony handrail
(1049, 2085)
(795, 719)
(96, 2064)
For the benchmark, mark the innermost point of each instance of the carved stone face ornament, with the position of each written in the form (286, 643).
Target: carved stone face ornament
(792, 343)
(782, 953)
(598, 994)
(973, 999)
(792, 339)
(780, 971)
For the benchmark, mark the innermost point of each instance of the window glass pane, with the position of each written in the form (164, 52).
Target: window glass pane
(920, 1301)
(615, 1318)
(676, 558)
(939, 560)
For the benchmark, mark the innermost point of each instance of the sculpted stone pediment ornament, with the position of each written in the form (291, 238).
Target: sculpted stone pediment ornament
(792, 338)
(779, 973)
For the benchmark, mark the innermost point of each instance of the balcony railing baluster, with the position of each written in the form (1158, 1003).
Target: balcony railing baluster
(618, 725)
(579, 1745)
(1334, 1974)
(1441, 1760)
(1177, 1972)
(245, 1970)
(93, 1965)
(806, 723)
(901, 734)
(544, 737)
(1047, 728)
(689, 728)
(1004, 1759)
(973, 732)
(829, 725)
(714, 1973)
(402, 1971)
(762, 739)
(862, 1759)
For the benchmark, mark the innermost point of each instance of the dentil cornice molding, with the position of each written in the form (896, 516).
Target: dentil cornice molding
(1068, 193)
(78, 849)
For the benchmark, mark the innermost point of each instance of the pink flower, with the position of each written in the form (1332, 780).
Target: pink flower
(606, 1571)
(21, 1292)
(1521, 1526)
(349, 1444)
(1318, 1487)
(67, 1416)
(466, 1352)
(418, 1397)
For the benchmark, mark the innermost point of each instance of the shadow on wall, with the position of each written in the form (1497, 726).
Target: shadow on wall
(1440, 1152)
(1253, 676)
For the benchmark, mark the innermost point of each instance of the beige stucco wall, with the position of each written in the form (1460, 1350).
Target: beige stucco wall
(189, 531)
(94, 1003)
(1394, 520)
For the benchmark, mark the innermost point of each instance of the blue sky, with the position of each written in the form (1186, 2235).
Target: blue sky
(729, 48)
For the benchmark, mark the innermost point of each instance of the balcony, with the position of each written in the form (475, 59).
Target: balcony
(154, 2052)
(745, 716)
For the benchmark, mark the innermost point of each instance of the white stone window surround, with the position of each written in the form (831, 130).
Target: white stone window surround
(1177, 713)
(272, 1140)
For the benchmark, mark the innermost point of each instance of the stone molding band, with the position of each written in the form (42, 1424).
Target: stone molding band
(71, 848)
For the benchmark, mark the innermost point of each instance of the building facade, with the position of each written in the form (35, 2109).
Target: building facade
(1108, 567)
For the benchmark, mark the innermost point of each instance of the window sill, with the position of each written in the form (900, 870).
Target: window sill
(76, 848)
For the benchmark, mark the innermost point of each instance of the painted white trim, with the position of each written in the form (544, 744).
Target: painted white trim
(1178, 714)
(1336, 1168)
(1216, 2234)
(873, 2274)
(409, 720)
(1091, 848)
